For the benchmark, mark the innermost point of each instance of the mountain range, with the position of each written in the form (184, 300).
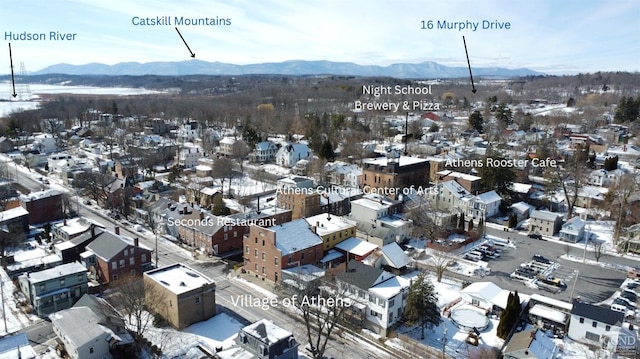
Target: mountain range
(426, 69)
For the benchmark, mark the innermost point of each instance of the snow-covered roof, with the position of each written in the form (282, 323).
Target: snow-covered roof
(178, 278)
(455, 189)
(521, 187)
(294, 236)
(331, 255)
(395, 256)
(329, 224)
(485, 290)
(266, 331)
(489, 197)
(16, 346)
(522, 207)
(402, 161)
(544, 215)
(73, 226)
(390, 287)
(13, 213)
(573, 226)
(356, 246)
(79, 326)
(56, 272)
(549, 313)
(464, 176)
(34, 196)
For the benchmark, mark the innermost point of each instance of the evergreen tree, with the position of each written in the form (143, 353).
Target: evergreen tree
(509, 316)
(504, 115)
(513, 220)
(476, 121)
(326, 151)
(471, 225)
(497, 177)
(461, 221)
(422, 304)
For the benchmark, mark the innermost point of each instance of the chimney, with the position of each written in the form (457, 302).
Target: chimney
(136, 242)
(169, 205)
(93, 231)
(64, 223)
(117, 230)
(201, 215)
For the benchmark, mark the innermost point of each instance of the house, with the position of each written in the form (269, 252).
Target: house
(530, 344)
(43, 206)
(596, 325)
(545, 222)
(573, 230)
(69, 251)
(6, 145)
(290, 153)
(390, 174)
(181, 295)
(189, 131)
(263, 152)
(262, 339)
(230, 146)
(374, 211)
(471, 183)
(549, 312)
(522, 210)
(450, 196)
(111, 193)
(126, 167)
(81, 333)
(485, 205)
(390, 257)
(189, 155)
(55, 288)
(343, 174)
(631, 242)
(269, 250)
(482, 294)
(16, 346)
(380, 294)
(15, 219)
(332, 229)
(113, 256)
(354, 248)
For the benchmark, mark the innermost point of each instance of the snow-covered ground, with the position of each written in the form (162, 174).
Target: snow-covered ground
(16, 320)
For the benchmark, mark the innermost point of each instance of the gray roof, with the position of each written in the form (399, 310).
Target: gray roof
(360, 275)
(544, 215)
(107, 245)
(294, 236)
(395, 256)
(597, 313)
(56, 272)
(79, 325)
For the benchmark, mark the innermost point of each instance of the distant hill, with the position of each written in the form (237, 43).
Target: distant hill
(427, 69)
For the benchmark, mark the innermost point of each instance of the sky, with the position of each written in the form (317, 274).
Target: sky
(550, 36)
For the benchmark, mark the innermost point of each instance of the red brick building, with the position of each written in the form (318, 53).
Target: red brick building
(216, 235)
(43, 206)
(114, 257)
(268, 250)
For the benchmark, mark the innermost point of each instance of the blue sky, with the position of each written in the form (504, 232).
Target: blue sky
(551, 36)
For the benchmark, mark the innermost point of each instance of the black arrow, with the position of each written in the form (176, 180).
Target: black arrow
(13, 81)
(185, 43)
(469, 63)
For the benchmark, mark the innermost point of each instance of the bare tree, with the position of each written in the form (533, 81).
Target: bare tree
(439, 262)
(597, 250)
(222, 169)
(618, 201)
(134, 296)
(570, 177)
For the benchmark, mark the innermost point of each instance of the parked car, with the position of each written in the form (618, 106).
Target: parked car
(541, 259)
(629, 295)
(474, 256)
(535, 235)
(619, 308)
(626, 302)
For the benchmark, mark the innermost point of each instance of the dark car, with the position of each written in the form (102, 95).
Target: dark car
(541, 259)
(535, 235)
(629, 295)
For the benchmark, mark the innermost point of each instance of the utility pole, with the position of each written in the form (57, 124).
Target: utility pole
(574, 286)
(444, 342)
(4, 315)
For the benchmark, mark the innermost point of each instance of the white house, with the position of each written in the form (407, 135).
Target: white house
(344, 174)
(600, 326)
(263, 152)
(189, 131)
(44, 143)
(573, 230)
(189, 155)
(378, 295)
(290, 153)
(80, 331)
(485, 205)
(481, 294)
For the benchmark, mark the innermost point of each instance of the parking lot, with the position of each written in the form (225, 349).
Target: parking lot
(594, 283)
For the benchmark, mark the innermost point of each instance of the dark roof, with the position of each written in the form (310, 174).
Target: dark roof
(520, 340)
(107, 245)
(599, 314)
(360, 275)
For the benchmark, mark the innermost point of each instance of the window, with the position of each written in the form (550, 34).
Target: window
(80, 277)
(581, 320)
(256, 240)
(302, 256)
(247, 249)
(144, 258)
(475, 302)
(132, 261)
(122, 263)
(115, 277)
(594, 324)
(264, 256)
(197, 300)
(607, 328)
(42, 286)
(264, 270)
(114, 265)
(126, 252)
(263, 242)
(256, 253)
(235, 234)
(90, 350)
(592, 336)
(132, 272)
(62, 282)
(392, 302)
(256, 265)
(275, 261)
(226, 236)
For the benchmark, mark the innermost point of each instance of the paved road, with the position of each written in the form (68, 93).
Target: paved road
(594, 283)
(41, 336)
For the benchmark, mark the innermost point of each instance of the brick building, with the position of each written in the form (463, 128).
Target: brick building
(268, 250)
(181, 295)
(385, 175)
(298, 195)
(113, 256)
(43, 206)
